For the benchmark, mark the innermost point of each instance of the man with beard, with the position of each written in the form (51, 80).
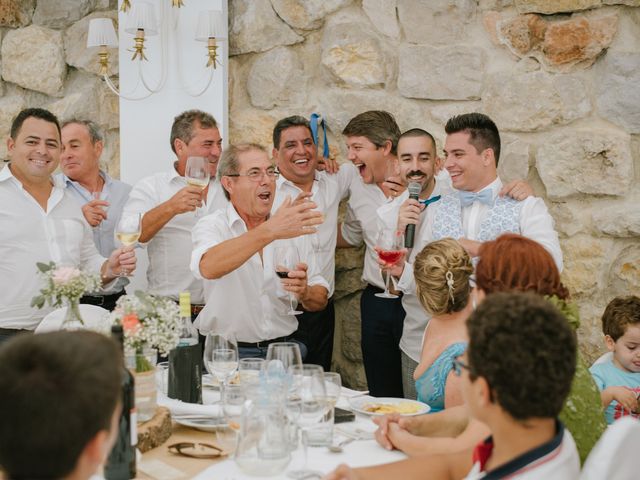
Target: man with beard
(234, 254)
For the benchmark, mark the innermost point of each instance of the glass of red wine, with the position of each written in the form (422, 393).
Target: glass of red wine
(285, 259)
(389, 246)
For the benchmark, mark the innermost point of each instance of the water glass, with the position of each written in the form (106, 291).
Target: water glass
(249, 370)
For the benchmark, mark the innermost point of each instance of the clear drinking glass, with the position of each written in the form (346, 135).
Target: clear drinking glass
(389, 246)
(197, 174)
(308, 403)
(128, 231)
(249, 370)
(285, 259)
(221, 357)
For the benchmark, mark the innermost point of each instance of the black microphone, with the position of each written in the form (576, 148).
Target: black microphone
(414, 191)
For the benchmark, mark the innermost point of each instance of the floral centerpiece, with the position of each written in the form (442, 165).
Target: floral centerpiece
(148, 321)
(65, 285)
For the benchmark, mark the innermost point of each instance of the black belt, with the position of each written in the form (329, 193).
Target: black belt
(13, 331)
(263, 343)
(100, 300)
(196, 308)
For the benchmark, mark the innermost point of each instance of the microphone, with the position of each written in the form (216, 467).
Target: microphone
(414, 191)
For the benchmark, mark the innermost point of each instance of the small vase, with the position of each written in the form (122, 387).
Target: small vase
(73, 319)
(143, 366)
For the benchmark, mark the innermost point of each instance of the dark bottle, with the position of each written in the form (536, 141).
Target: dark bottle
(185, 361)
(121, 464)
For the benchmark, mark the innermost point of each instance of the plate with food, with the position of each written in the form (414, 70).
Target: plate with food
(210, 381)
(384, 406)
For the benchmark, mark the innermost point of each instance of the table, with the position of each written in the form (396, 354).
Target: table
(159, 464)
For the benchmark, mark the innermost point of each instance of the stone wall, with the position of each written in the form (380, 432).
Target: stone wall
(45, 63)
(560, 78)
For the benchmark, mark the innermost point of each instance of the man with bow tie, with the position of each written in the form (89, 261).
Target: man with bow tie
(479, 209)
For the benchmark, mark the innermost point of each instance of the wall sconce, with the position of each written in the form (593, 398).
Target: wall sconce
(141, 23)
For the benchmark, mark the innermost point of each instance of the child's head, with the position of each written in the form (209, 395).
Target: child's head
(621, 327)
(521, 356)
(442, 270)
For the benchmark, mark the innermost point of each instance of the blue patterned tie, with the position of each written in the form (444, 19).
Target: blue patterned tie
(484, 196)
(426, 202)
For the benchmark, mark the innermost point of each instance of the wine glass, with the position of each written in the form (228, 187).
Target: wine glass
(232, 399)
(281, 356)
(308, 406)
(197, 174)
(128, 231)
(98, 196)
(333, 385)
(389, 246)
(249, 370)
(285, 259)
(221, 357)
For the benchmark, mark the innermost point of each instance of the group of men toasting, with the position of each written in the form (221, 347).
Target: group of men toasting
(255, 203)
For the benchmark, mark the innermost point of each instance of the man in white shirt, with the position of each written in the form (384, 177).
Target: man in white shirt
(234, 253)
(40, 222)
(371, 145)
(102, 197)
(169, 205)
(295, 154)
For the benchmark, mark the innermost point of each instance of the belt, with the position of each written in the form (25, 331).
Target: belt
(263, 343)
(99, 300)
(196, 309)
(13, 331)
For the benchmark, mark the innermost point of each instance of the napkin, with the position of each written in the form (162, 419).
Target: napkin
(177, 407)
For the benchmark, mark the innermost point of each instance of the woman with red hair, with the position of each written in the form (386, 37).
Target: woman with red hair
(509, 263)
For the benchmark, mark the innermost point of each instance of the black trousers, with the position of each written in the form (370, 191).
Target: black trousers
(315, 330)
(381, 323)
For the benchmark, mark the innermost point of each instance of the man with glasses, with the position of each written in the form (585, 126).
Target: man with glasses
(233, 252)
(169, 206)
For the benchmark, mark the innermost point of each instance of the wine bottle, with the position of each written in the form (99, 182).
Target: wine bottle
(185, 361)
(121, 463)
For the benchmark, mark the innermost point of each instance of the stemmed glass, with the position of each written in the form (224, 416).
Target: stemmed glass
(333, 385)
(285, 259)
(307, 405)
(389, 246)
(128, 231)
(221, 357)
(232, 399)
(197, 174)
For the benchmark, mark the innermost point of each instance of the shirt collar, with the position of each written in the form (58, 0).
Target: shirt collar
(494, 186)
(234, 218)
(6, 173)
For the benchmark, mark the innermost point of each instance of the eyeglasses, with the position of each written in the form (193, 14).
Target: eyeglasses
(257, 175)
(458, 365)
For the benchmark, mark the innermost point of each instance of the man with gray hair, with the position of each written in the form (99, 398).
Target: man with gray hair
(235, 251)
(102, 197)
(169, 206)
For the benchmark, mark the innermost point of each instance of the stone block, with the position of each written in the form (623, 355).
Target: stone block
(522, 33)
(285, 85)
(584, 263)
(61, 13)
(255, 27)
(619, 220)
(624, 274)
(532, 101)
(75, 46)
(514, 159)
(571, 216)
(383, 16)
(617, 89)
(431, 21)
(441, 73)
(28, 52)
(353, 56)
(443, 112)
(110, 158)
(588, 161)
(630, 3)
(555, 6)
(10, 106)
(16, 13)
(250, 125)
(306, 14)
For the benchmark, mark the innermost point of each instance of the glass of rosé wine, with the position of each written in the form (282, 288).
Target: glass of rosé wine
(389, 246)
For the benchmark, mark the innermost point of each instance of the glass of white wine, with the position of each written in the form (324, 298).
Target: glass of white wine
(197, 174)
(128, 231)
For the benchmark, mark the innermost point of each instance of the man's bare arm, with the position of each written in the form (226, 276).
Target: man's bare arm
(185, 200)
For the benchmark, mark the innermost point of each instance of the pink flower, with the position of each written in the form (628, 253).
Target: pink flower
(64, 275)
(130, 323)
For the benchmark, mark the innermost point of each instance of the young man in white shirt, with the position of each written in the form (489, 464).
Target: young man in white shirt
(169, 207)
(102, 197)
(234, 254)
(296, 158)
(516, 375)
(40, 222)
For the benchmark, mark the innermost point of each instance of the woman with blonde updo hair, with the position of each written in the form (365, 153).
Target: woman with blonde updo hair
(442, 271)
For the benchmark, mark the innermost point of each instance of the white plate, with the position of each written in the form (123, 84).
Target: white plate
(360, 404)
(205, 424)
